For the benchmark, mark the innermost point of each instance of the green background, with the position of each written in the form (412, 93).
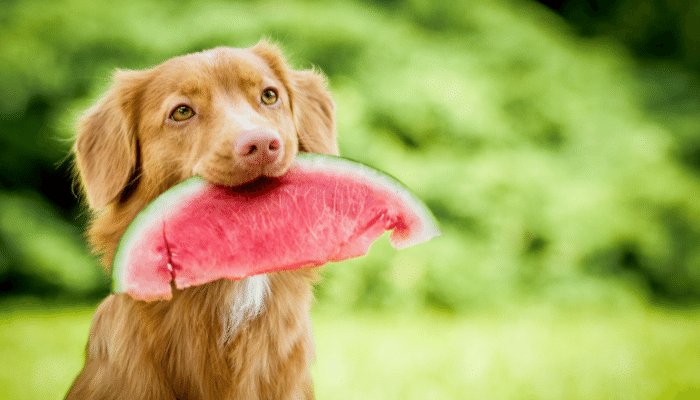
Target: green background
(560, 153)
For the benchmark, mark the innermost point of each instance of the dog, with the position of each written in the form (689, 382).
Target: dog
(231, 116)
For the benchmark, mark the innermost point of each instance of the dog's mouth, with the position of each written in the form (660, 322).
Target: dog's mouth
(260, 153)
(235, 174)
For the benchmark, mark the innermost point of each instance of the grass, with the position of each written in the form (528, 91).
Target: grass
(41, 347)
(529, 352)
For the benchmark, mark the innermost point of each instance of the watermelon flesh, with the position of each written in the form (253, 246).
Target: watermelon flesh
(324, 209)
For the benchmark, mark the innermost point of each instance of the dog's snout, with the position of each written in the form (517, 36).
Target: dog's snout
(259, 146)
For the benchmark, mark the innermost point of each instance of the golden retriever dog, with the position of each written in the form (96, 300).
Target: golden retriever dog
(230, 116)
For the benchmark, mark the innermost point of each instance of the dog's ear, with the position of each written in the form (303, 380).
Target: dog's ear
(105, 149)
(313, 107)
(314, 112)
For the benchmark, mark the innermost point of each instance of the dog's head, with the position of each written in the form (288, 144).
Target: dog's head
(229, 115)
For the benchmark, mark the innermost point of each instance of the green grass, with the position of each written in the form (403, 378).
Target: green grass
(41, 348)
(529, 352)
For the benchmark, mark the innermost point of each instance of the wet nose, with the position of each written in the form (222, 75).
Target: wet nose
(259, 146)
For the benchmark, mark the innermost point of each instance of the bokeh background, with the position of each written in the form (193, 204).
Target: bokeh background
(557, 143)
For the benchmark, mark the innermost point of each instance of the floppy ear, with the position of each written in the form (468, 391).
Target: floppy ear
(314, 112)
(312, 106)
(105, 147)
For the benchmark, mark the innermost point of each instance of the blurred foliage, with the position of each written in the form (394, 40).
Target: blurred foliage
(663, 37)
(651, 29)
(49, 252)
(535, 148)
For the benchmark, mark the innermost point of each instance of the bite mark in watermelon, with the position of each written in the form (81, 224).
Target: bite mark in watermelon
(324, 209)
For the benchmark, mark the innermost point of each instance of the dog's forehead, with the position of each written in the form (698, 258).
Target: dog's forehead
(243, 61)
(223, 66)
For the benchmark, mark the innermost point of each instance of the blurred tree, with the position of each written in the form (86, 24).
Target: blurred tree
(663, 35)
(650, 28)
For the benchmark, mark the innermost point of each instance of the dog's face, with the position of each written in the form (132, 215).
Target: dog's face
(223, 114)
(229, 115)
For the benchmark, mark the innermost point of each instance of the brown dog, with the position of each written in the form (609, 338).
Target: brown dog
(231, 116)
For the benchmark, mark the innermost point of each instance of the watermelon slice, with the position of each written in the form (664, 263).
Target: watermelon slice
(323, 209)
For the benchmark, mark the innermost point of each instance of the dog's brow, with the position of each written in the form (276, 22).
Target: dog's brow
(248, 76)
(191, 88)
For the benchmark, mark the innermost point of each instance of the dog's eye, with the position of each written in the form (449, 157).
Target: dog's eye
(269, 96)
(182, 113)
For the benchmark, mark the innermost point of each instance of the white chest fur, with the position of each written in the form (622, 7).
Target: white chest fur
(246, 301)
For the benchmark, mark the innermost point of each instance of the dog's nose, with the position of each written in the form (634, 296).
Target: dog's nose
(259, 146)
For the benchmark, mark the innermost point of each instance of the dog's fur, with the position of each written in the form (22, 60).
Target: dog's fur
(247, 339)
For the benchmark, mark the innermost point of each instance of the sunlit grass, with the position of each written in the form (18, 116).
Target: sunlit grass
(41, 347)
(529, 352)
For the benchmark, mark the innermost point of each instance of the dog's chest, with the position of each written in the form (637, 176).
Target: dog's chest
(246, 301)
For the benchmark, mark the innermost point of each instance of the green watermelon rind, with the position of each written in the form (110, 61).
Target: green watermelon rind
(158, 209)
(155, 210)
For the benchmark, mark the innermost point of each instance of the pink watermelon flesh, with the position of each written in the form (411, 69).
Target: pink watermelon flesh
(325, 209)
